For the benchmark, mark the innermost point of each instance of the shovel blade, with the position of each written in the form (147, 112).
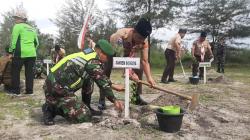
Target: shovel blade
(194, 102)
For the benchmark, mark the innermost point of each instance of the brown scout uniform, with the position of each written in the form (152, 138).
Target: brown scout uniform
(170, 55)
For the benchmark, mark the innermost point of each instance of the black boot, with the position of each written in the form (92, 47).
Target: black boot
(164, 81)
(218, 70)
(48, 114)
(137, 100)
(102, 104)
(222, 70)
(86, 98)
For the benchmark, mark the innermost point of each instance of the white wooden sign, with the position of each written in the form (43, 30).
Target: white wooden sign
(205, 65)
(127, 63)
(47, 61)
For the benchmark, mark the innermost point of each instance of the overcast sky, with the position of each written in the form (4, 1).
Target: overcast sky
(41, 11)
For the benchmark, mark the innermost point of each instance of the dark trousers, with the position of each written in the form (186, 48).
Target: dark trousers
(170, 57)
(17, 64)
(196, 68)
(220, 63)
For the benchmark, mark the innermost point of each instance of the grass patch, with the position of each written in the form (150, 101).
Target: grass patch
(17, 110)
(33, 103)
(4, 99)
(2, 116)
(238, 73)
(16, 107)
(207, 98)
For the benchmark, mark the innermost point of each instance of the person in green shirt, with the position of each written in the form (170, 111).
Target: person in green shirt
(24, 43)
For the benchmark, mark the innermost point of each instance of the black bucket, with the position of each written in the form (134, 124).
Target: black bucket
(194, 80)
(169, 123)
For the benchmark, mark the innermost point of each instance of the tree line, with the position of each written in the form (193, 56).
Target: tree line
(229, 18)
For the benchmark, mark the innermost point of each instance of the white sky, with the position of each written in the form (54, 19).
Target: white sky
(40, 11)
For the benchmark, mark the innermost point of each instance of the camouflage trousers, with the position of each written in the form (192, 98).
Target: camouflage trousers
(220, 63)
(68, 105)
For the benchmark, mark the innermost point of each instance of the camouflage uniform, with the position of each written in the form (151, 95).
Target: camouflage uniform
(75, 71)
(39, 69)
(220, 54)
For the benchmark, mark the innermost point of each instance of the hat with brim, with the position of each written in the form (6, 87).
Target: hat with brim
(21, 15)
(105, 46)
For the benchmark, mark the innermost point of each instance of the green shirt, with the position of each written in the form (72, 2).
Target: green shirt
(24, 41)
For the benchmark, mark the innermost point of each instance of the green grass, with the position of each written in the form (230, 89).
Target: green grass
(207, 98)
(33, 103)
(238, 73)
(4, 99)
(17, 110)
(17, 107)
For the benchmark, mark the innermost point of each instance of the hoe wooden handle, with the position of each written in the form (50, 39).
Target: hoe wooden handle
(164, 90)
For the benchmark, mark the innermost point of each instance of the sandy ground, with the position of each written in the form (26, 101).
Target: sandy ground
(223, 113)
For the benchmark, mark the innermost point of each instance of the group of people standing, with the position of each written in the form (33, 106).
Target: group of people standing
(201, 51)
(92, 65)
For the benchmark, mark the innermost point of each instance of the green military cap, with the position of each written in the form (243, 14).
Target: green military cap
(105, 46)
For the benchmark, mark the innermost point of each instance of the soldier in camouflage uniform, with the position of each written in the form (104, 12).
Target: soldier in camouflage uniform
(39, 69)
(75, 71)
(220, 54)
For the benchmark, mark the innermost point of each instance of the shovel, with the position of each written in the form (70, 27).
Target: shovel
(183, 70)
(194, 98)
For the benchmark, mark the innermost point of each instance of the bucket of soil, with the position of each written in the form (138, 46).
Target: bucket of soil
(171, 110)
(169, 122)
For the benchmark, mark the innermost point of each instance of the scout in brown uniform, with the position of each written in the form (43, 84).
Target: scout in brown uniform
(172, 53)
(57, 54)
(200, 48)
(131, 42)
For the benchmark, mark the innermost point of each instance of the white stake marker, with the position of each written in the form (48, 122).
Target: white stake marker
(127, 63)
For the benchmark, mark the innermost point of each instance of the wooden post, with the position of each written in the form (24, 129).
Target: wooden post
(127, 93)
(127, 63)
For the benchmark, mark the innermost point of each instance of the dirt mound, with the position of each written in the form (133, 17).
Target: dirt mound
(220, 79)
(167, 99)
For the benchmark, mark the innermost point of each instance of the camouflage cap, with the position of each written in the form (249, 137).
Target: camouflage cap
(105, 46)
